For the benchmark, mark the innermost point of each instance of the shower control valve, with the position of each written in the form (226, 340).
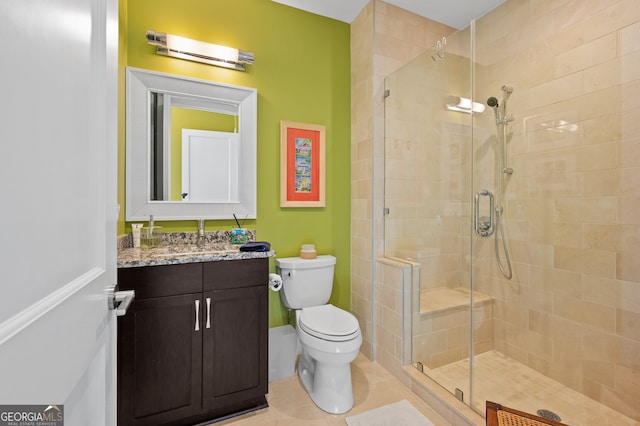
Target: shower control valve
(484, 226)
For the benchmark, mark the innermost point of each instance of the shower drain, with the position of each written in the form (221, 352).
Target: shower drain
(548, 414)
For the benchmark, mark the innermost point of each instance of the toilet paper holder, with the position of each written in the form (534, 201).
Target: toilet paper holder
(275, 282)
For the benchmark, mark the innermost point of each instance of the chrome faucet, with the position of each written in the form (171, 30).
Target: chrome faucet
(200, 241)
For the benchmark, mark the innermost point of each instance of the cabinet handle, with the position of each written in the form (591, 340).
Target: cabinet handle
(208, 312)
(197, 315)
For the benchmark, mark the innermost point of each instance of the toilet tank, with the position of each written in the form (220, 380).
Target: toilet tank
(306, 282)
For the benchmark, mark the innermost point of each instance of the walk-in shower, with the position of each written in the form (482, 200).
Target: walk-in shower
(521, 220)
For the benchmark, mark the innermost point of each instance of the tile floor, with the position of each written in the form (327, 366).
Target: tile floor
(373, 386)
(503, 380)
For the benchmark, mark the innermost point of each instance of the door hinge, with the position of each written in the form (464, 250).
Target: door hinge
(386, 94)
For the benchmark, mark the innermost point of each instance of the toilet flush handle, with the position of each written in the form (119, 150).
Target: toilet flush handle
(291, 273)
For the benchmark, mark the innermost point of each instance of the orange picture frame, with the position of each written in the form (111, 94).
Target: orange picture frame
(302, 164)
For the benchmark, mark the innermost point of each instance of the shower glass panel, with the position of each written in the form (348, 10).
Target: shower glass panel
(548, 175)
(428, 168)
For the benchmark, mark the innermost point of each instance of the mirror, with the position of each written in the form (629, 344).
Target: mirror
(191, 148)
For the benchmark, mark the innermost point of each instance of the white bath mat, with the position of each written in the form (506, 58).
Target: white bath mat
(397, 414)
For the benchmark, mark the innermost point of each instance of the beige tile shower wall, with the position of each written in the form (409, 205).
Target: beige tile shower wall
(421, 158)
(572, 311)
(442, 337)
(383, 38)
(399, 37)
(427, 168)
(394, 282)
(361, 174)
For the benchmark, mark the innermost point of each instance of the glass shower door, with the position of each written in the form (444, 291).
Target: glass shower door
(428, 181)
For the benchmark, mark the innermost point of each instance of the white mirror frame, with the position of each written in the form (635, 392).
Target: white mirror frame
(138, 206)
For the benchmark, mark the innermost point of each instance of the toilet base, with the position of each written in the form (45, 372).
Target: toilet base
(328, 385)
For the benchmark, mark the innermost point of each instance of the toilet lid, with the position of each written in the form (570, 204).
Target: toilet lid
(328, 322)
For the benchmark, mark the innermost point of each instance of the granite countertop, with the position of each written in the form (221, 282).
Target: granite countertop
(184, 253)
(179, 248)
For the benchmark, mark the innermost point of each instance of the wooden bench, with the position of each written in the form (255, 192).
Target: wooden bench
(497, 415)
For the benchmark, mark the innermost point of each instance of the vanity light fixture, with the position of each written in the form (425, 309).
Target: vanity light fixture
(199, 51)
(464, 105)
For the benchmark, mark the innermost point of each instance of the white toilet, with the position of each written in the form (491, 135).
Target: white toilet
(330, 336)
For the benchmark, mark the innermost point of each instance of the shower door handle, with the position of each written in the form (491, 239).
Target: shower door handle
(484, 225)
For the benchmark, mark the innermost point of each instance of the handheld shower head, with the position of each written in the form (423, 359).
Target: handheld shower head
(493, 103)
(506, 92)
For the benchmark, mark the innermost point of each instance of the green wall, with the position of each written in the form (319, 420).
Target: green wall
(302, 73)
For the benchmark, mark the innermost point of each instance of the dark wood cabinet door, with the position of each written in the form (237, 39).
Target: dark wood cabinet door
(235, 274)
(163, 280)
(235, 348)
(160, 360)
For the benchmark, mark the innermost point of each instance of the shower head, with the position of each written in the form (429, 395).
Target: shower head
(493, 103)
(506, 92)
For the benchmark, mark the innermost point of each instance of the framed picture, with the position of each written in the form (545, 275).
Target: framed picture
(302, 167)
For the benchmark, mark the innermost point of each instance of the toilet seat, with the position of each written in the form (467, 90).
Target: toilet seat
(328, 322)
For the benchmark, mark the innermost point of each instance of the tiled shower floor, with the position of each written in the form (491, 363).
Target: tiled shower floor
(505, 381)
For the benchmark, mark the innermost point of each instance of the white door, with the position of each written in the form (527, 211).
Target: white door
(208, 157)
(58, 161)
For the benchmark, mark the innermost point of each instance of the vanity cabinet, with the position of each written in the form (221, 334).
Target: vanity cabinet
(193, 346)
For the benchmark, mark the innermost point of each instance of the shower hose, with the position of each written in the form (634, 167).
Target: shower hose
(508, 273)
